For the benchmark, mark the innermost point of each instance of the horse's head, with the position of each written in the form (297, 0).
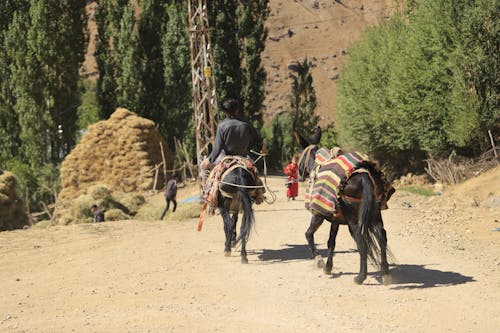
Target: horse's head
(308, 152)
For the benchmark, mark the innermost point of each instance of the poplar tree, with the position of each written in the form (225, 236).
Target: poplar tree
(128, 76)
(108, 17)
(9, 124)
(226, 48)
(151, 29)
(253, 34)
(177, 73)
(303, 99)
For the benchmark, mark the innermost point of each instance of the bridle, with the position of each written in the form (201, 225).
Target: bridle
(306, 156)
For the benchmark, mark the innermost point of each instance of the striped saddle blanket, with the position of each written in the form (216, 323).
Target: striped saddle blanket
(323, 194)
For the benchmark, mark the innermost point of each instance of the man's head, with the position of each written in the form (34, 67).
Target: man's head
(230, 107)
(93, 208)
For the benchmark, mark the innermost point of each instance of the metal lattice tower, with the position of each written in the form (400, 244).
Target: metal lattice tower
(203, 83)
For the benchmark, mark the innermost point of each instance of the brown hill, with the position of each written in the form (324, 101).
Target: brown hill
(322, 31)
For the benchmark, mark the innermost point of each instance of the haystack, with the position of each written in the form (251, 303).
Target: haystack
(12, 210)
(120, 153)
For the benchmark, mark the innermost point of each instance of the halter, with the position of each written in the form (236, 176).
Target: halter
(307, 154)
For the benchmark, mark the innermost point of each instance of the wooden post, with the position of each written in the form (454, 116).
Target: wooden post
(164, 162)
(493, 145)
(156, 177)
(188, 160)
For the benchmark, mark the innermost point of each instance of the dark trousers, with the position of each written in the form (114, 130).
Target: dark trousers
(168, 206)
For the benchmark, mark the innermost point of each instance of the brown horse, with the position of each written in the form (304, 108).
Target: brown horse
(359, 208)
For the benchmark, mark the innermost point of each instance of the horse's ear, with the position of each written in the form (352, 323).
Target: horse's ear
(301, 140)
(316, 137)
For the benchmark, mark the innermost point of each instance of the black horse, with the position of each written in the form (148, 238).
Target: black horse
(235, 195)
(360, 210)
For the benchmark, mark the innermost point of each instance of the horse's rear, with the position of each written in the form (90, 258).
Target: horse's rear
(235, 195)
(361, 201)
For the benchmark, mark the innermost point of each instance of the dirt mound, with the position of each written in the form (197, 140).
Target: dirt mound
(12, 210)
(120, 152)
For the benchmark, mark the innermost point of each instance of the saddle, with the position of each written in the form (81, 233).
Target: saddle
(223, 168)
(330, 176)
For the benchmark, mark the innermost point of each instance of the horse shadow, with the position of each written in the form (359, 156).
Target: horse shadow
(420, 277)
(291, 252)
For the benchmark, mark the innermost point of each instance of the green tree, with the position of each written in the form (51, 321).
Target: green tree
(303, 99)
(226, 48)
(253, 33)
(414, 86)
(177, 74)
(129, 86)
(9, 123)
(151, 30)
(108, 18)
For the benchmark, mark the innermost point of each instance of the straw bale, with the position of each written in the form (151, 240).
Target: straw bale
(116, 215)
(12, 210)
(99, 192)
(133, 201)
(114, 152)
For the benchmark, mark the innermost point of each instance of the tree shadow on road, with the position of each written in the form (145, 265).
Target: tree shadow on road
(419, 277)
(290, 252)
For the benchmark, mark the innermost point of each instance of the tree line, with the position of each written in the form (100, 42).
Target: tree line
(143, 62)
(426, 83)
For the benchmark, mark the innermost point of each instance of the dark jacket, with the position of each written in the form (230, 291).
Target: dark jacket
(98, 216)
(235, 136)
(171, 191)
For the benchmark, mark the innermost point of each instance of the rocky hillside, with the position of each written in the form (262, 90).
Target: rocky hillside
(322, 31)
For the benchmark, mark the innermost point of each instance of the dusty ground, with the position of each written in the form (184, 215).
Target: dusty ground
(163, 276)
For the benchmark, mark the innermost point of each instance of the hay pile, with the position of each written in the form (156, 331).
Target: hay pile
(119, 153)
(12, 210)
(115, 205)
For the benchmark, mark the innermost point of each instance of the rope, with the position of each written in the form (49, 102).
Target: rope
(268, 189)
(306, 152)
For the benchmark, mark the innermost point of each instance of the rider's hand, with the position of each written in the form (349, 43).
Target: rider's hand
(205, 164)
(264, 151)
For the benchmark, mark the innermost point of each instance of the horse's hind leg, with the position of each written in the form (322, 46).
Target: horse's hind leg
(316, 222)
(244, 259)
(227, 230)
(234, 221)
(363, 260)
(334, 228)
(386, 275)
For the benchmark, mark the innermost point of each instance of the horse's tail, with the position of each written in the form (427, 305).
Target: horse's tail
(248, 219)
(370, 231)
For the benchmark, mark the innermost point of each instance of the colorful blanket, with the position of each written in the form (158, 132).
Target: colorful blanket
(323, 195)
(217, 174)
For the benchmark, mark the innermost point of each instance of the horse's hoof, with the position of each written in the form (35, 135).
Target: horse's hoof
(387, 279)
(227, 253)
(359, 280)
(319, 261)
(244, 260)
(327, 270)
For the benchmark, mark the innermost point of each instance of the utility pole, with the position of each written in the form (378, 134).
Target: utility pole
(203, 83)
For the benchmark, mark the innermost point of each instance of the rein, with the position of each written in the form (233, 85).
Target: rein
(273, 195)
(307, 154)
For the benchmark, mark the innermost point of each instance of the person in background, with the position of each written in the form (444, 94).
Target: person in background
(97, 215)
(292, 183)
(170, 195)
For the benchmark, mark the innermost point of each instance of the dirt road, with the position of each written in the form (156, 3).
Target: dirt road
(163, 276)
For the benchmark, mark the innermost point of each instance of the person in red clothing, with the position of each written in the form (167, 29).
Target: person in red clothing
(292, 182)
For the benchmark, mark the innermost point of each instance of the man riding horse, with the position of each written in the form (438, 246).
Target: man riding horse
(234, 137)
(233, 184)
